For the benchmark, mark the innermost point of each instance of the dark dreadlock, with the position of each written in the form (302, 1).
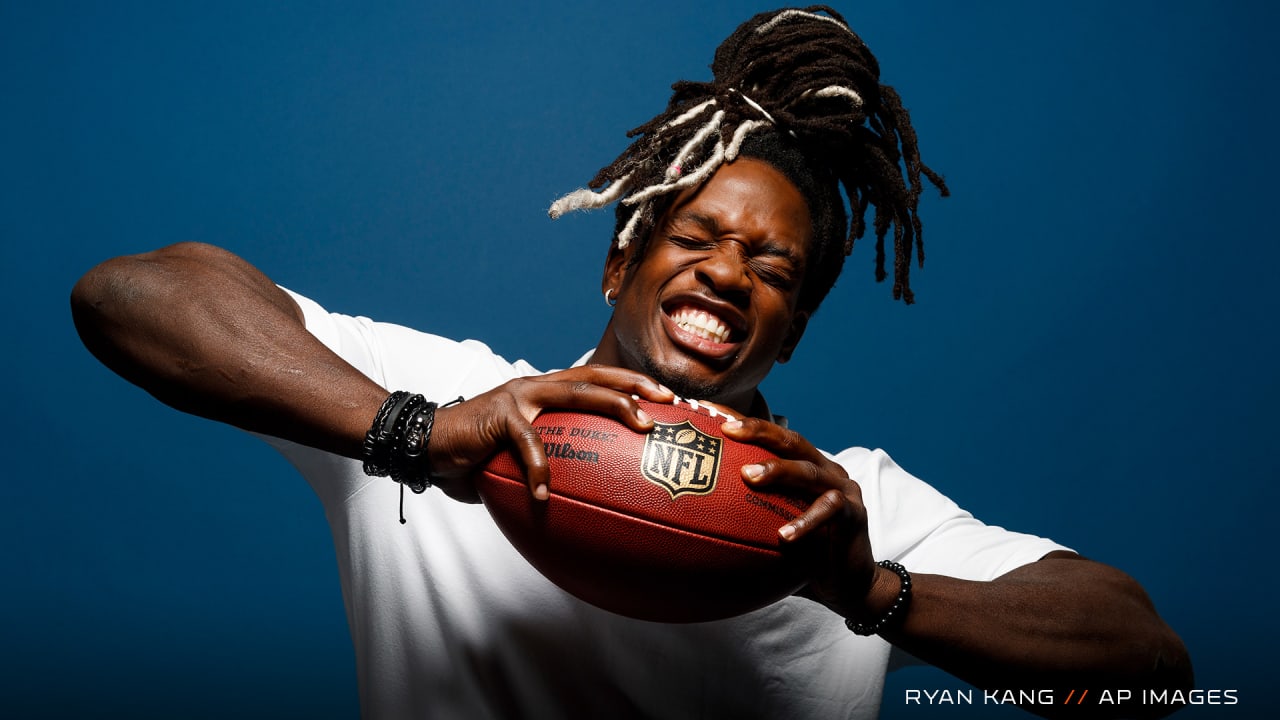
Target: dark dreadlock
(786, 82)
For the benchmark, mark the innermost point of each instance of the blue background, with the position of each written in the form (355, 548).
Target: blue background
(1092, 356)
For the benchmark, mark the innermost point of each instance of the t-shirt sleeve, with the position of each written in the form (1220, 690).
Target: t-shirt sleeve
(911, 522)
(397, 358)
(400, 358)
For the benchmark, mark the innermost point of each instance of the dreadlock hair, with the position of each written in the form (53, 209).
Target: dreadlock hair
(795, 88)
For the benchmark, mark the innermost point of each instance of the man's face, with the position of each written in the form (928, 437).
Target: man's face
(713, 303)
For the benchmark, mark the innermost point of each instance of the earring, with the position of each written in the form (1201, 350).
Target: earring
(607, 299)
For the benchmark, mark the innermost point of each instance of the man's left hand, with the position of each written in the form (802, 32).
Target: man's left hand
(846, 578)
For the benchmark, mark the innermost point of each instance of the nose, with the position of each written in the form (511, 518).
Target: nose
(724, 270)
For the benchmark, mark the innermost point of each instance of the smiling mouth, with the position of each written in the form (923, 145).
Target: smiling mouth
(701, 323)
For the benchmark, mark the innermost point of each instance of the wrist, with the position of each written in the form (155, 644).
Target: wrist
(886, 602)
(396, 443)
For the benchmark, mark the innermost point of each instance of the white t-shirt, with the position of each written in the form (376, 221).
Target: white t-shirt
(449, 621)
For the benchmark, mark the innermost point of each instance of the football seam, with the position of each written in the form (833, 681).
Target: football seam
(771, 549)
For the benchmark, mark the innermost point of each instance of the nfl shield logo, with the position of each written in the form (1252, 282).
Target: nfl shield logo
(681, 458)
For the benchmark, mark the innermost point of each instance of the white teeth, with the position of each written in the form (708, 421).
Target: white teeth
(702, 324)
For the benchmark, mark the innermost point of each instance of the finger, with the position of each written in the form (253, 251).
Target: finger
(628, 382)
(589, 397)
(800, 474)
(527, 445)
(828, 505)
(771, 436)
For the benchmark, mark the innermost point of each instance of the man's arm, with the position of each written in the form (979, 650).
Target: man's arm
(207, 333)
(1059, 624)
(1062, 623)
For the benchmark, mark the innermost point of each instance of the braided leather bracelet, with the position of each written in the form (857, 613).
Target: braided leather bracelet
(396, 444)
(380, 438)
(896, 612)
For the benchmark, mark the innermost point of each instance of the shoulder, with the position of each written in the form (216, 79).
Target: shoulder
(397, 356)
(913, 522)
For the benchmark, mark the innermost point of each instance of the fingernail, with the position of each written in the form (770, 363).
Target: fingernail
(733, 425)
(540, 492)
(644, 417)
(753, 471)
(665, 389)
(787, 532)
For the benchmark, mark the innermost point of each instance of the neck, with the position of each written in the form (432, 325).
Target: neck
(742, 401)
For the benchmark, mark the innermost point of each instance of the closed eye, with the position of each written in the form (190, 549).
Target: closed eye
(774, 274)
(691, 243)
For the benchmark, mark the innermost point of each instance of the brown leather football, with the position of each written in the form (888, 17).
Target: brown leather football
(656, 526)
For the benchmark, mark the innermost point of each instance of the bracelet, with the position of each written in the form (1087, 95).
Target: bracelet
(379, 440)
(896, 611)
(396, 444)
(384, 444)
(409, 465)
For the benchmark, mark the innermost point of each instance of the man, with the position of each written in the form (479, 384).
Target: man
(731, 230)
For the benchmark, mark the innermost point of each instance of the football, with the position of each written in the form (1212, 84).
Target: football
(657, 526)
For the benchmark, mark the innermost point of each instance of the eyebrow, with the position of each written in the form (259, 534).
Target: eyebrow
(706, 222)
(712, 227)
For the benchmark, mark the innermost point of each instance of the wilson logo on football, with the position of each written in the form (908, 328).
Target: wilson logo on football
(681, 459)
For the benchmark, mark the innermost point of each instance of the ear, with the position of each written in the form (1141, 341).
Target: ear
(799, 322)
(615, 270)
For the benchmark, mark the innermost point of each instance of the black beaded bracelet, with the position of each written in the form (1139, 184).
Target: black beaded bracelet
(896, 612)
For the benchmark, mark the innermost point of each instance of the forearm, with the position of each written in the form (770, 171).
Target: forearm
(206, 333)
(1061, 623)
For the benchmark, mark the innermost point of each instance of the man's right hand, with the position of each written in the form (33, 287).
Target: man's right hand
(466, 435)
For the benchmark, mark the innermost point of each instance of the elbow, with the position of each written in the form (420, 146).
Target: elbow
(106, 295)
(1172, 668)
(1168, 663)
(1168, 673)
(96, 298)
(108, 292)
(115, 296)
(1160, 660)
(1170, 678)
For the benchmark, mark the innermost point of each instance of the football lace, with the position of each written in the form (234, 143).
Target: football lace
(699, 407)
